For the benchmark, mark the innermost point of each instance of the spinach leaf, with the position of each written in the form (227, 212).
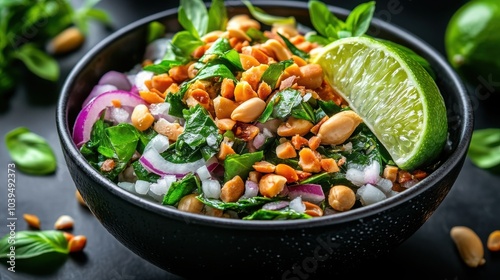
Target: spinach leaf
(156, 30)
(180, 188)
(200, 133)
(304, 111)
(241, 165)
(281, 104)
(215, 70)
(123, 138)
(35, 249)
(296, 51)
(30, 152)
(185, 43)
(285, 214)
(484, 148)
(366, 148)
(143, 174)
(240, 206)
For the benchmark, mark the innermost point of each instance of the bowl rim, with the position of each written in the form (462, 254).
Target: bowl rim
(455, 158)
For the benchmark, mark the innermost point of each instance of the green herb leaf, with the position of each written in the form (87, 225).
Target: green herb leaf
(240, 206)
(240, 165)
(193, 16)
(156, 30)
(217, 16)
(30, 152)
(285, 214)
(484, 149)
(321, 17)
(32, 244)
(265, 18)
(180, 188)
(360, 17)
(38, 62)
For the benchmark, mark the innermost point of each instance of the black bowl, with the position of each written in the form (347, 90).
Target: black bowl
(195, 245)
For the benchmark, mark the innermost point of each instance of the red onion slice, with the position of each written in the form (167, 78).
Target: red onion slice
(90, 113)
(98, 90)
(155, 163)
(309, 192)
(115, 78)
(275, 205)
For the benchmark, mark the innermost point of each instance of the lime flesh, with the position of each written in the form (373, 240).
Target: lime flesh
(396, 98)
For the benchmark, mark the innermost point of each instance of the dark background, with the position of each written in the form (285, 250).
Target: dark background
(474, 200)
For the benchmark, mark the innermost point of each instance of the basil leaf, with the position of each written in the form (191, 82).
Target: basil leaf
(360, 17)
(156, 30)
(484, 148)
(217, 16)
(321, 17)
(163, 67)
(180, 188)
(38, 62)
(287, 100)
(265, 18)
(240, 165)
(216, 70)
(30, 152)
(304, 111)
(44, 246)
(186, 43)
(286, 214)
(193, 16)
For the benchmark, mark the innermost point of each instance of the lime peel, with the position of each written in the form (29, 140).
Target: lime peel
(393, 94)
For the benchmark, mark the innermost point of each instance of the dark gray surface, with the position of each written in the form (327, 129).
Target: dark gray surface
(430, 253)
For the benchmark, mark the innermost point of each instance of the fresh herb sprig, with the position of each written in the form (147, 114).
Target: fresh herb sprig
(27, 25)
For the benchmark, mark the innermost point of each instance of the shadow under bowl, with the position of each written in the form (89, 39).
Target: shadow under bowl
(194, 245)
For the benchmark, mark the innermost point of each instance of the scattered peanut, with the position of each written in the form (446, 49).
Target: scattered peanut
(32, 220)
(77, 243)
(249, 110)
(313, 209)
(493, 243)
(64, 222)
(232, 189)
(190, 203)
(79, 197)
(341, 198)
(141, 117)
(339, 127)
(270, 185)
(469, 245)
(66, 41)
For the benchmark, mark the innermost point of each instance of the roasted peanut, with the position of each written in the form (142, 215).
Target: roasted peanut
(224, 107)
(225, 124)
(390, 173)
(309, 161)
(311, 76)
(242, 22)
(80, 198)
(66, 41)
(248, 61)
(141, 117)
(270, 185)
(286, 171)
(77, 243)
(225, 150)
(329, 165)
(243, 91)
(285, 150)
(227, 88)
(338, 128)
(341, 198)
(313, 209)
(64, 222)
(249, 110)
(469, 245)
(494, 241)
(294, 126)
(32, 220)
(189, 203)
(232, 189)
(171, 130)
(264, 167)
(276, 49)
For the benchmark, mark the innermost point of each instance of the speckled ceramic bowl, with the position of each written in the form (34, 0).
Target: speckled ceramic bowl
(195, 245)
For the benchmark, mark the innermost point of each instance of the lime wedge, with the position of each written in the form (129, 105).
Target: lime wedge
(396, 98)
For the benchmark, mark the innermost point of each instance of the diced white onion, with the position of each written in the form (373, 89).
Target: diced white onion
(297, 205)
(128, 186)
(369, 194)
(203, 173)
(142, 187)
(356, 176)
(211, 188)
